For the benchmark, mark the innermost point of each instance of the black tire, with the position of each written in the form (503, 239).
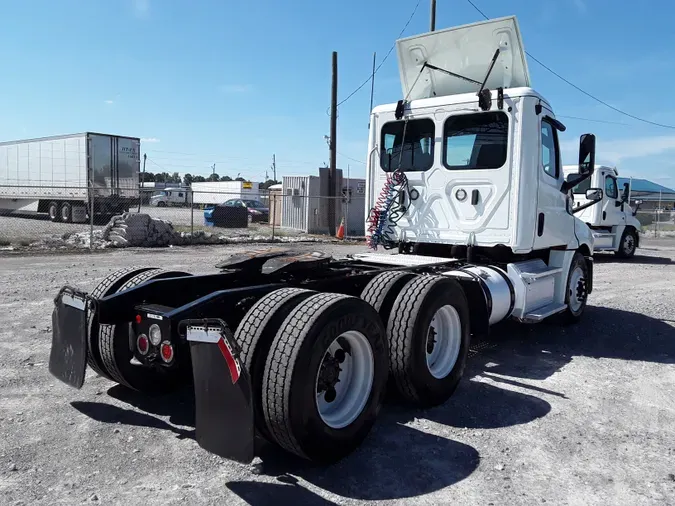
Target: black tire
(571, 315)
(54, 211)
(116, 353)
(109, 285)
(382, 290)
(407, 331)
(289, 384)
(628, 244)
(66, 212)
(255, 334)
(161, 204)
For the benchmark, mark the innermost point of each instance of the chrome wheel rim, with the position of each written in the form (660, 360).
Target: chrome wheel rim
(345, 379)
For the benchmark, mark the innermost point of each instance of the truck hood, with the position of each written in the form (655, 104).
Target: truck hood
(465, 50)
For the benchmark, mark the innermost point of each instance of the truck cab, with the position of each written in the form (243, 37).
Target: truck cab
(449, 168)
(613, 221)
(171, 197)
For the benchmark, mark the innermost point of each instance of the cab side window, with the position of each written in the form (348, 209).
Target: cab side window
(549, 149)
(611, 189)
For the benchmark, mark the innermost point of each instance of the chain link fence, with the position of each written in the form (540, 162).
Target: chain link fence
(61, 217)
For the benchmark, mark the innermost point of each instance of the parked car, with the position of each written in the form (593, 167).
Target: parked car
(257, 212)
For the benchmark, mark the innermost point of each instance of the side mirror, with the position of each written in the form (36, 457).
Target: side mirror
(587, 154)
(594, 194)
(626, 192)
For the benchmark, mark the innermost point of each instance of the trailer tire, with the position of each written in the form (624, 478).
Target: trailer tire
(297, 363)
(422, 378)
(255, 334)
(109, 285)
(576, 296)
(382, 290)
(66, 212)
(54, 211)
(628, 244)
(116, 354)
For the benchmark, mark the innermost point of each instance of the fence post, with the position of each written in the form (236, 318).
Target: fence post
(91, 217)
(192, 214)
(274, 213)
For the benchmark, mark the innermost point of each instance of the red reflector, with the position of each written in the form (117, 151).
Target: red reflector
(167, 352)
(143, 344)
(138, 318)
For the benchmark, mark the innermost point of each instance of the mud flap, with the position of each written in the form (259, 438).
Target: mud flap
(68, 356)
(223, 395)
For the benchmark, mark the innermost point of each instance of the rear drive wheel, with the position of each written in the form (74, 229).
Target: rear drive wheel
(576, 294)
(325, 377)
(628, 244)
(383, 289)
(116, 346)
(66, 213)
(429, 336)
(255, 334)
(108, 286)
(54, 211)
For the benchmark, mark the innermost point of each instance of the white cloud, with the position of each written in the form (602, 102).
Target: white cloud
(141, 7)
(235, 88)
(150, 139)
(109, 102)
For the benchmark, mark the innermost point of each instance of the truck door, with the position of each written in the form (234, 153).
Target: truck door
(612, 214)
(554, 224)
(101, 165)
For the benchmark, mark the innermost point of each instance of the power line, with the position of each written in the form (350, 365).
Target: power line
(578, 88)
(350, 158)
(391, 49)
(595, 120)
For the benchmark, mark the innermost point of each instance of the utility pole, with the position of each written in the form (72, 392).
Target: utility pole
(372, 89)
(140, 193)
(274, 167)
(433, 16)
(213, 168)
(333, 148)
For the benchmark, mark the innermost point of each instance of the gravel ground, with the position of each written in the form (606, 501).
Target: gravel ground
(576, 415)
(27, 227)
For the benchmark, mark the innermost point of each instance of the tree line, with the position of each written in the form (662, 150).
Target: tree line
(188, 179)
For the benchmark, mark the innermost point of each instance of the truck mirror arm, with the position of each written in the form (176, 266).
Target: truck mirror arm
(586, 206)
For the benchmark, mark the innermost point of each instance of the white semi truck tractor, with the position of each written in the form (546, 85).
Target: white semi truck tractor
(613, 221)
(466, 187)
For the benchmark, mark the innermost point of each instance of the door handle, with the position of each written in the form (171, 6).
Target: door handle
(475, 194)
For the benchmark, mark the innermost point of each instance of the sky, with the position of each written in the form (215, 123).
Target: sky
(232, 83)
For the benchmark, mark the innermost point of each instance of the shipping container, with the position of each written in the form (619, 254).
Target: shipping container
(63, 175)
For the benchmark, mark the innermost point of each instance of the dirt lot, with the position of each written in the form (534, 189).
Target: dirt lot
(577, 415)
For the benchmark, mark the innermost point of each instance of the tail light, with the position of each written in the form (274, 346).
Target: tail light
(166, 351)
(143, 344)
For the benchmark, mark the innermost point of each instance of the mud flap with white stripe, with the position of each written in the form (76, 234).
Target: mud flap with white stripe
(68, 356)
(223, 396)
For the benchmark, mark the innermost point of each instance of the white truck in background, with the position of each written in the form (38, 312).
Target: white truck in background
(613, 221)
(63, 175)
(180, 197)
(218, 192)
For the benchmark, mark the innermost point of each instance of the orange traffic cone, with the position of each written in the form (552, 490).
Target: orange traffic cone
(341, 230)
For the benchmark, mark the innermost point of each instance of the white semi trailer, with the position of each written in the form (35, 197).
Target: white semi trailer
(613, 222)
(464, 179)
(64, 175)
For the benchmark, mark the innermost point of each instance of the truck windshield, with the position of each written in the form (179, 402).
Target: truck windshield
(475, 141)
(415, 153)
